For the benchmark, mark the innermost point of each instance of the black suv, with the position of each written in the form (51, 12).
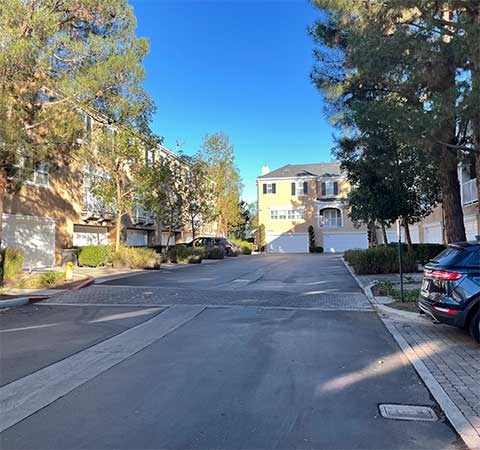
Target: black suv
(451, 287)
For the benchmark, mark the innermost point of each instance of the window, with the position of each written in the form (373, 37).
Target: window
(287, 214)
(329, 188)
(330, 218)
(300, 188)
(40, 175)
(149, 157)
(269, 188)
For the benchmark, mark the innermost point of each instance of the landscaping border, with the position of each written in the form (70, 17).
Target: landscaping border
(453, 413)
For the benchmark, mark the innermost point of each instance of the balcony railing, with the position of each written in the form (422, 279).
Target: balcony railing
(143, 216)
(331, 222)
(469, 192)
(94, 208)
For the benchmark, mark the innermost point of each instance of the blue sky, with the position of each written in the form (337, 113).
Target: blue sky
(239, 66)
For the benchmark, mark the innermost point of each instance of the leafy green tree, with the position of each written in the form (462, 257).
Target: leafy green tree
(218, 154)
(414, 57)
(58, 58)
(199, 206)
(162, 188)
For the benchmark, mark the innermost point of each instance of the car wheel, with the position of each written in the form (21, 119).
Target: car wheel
(474, 326)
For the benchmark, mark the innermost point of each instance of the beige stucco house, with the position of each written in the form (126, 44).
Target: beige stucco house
(295, 196)
(58, 210)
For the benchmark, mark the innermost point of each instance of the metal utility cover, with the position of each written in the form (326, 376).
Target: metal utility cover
(408, 412)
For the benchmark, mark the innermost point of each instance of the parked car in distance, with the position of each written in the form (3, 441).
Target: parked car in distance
(229, 247)
(450, 290)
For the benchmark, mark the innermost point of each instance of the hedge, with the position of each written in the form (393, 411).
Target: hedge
(377, 260)
(94, 255)
(136, 258)
(11, 263)
(423, 252)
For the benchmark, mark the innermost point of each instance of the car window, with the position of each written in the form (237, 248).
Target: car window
(448, 256)
(473, 260)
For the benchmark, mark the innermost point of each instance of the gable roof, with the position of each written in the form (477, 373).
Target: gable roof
(330, 169)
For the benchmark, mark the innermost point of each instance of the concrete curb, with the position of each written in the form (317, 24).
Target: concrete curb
(454, 415)
(31, 299)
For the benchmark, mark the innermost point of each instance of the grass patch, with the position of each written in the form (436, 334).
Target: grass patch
(387, 288)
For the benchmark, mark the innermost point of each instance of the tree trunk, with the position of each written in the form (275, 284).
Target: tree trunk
(451, 198)
(193, 228)
(167, 246)
(3, 190)
(118, 224)
(408, 238)
(384, 234)
(373, 234)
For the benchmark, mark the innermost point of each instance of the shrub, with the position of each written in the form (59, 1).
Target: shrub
(422, 252)
(376, 260)
(188, 255)
(158, 248)
(316, 249)
(136, 258)
(213, 253)
(311, 239)
(94, 255)
(47, 279)
(11, 263)
(246, 247)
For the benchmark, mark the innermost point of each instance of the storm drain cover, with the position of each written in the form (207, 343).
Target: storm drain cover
(408, 412)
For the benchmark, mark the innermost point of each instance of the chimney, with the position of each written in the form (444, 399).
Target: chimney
(265, 170)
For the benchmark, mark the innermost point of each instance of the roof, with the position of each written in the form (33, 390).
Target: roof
(330, 169)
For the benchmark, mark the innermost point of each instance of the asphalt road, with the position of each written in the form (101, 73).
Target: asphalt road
(244, 377)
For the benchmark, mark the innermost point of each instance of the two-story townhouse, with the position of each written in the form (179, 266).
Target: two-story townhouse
(295, 196)
(58, 210)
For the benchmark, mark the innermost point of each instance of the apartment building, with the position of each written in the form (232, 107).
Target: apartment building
(295, 196)
(58, 210)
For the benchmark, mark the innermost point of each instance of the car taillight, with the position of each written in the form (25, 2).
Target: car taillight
(445, 310)
(443, 275)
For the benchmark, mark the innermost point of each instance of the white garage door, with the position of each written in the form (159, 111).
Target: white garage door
(339, 242)
(432, 234)
(471, 227)
(287, 243)
(83, 235)
(35, 236)
(165, 238)
(137, 238)
(414, 235)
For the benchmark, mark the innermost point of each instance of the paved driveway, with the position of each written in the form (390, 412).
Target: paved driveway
(303, 363)
(299, 273)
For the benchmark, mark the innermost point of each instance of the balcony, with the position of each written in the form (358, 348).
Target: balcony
(141, 216)
(95, 209)
(469, 192)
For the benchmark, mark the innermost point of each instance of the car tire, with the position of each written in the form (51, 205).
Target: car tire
(474, 326)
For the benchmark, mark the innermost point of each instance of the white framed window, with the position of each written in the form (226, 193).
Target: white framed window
(330, 218)
(287, 214)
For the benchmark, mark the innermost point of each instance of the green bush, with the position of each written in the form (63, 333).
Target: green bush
(46, 280)
(316, 249)
(213, 253)
(381, 259)
(246, 247)
(94, 255)
(422, 252)
(188, 255)
(136, 258)
(11, 263)
(157, 247)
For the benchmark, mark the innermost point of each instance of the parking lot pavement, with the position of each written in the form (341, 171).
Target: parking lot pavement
(35, 336)
(452, 357)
